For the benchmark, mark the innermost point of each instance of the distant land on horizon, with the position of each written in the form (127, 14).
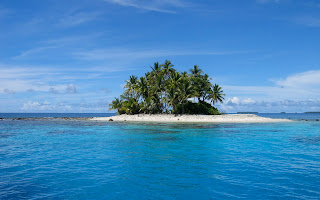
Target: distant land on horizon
(312, 112)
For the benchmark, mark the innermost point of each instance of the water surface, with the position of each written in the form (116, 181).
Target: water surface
(90, 160)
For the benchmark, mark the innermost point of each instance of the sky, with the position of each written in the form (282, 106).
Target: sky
(75, 55)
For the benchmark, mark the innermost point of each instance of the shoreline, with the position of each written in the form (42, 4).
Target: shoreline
(171, 118)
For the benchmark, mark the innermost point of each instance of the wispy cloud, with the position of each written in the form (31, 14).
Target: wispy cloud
(4, 12)
(9, 91)
(35, 106)
(298, 87)
(267, 1)
(165, 6)
(53, 45)
(71, 89)
(97, 106)
(106, 90)
(54, 21)
(34, 51)
(77, 18)
(125, 53)
(237, 104)
(53, 90)
(271, 93)
(301, 80)
(308, 21)
(51, 79)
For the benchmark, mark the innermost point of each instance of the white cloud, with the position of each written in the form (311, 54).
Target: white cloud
(300, 86)
(97, 106)
(238, 101)
(308, 79)
(235, 100)
(130, 54)
(77, 18)
(165, 6)
(308, 21)
(24, 84)
(248, 101)
(53, 79)
(45, 107)
(71, 89)
(268, 1)
(33, 51)
(9, 91)
(295, 93)
(265, 106)
(53, 90)
(4, 12)
(106, 90)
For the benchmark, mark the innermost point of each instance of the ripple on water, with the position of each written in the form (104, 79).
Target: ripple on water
(307, 140)
(82, 160)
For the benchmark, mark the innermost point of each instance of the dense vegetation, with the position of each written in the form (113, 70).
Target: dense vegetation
(166, 90)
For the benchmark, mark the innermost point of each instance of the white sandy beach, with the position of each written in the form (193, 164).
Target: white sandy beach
(227, 118)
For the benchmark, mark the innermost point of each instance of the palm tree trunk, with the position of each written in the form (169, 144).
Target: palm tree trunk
(182, 108)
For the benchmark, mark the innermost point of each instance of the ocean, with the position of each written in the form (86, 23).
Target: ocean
(59, 159)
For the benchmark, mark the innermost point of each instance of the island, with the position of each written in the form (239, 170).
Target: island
(313, 112)
(167, 95)
(170, 118)
(247, 112)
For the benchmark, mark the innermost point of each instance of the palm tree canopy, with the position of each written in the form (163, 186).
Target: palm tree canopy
(196, 71)
(115, 104)
(165, 88)
(217, 94)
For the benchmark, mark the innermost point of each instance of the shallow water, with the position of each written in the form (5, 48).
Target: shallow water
(83, 160)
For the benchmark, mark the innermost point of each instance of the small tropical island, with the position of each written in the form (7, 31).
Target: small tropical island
(166, 90)
(167, 95)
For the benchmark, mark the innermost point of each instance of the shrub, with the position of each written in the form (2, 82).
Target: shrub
(197, 108)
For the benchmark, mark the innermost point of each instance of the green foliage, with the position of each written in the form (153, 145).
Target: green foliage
(165, 90)
(130, 107)
(116, 104)
(197, 108)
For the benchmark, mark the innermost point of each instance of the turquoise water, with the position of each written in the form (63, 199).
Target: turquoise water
(87, 160)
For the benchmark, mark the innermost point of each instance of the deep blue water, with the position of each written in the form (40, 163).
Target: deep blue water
(34, 115)
(90, 160)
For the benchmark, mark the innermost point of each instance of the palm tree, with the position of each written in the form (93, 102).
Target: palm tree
(131, 107)
(142, 87)
(116, 104)
(158, 91)
(172, 95)
(216, 94)
(167, 68)
(205, 87)
(131, 86)
(196, 71)
(163, 88)
(196, 81)
(186, 91)
(173, 98)
(156, 68)
(147, 106)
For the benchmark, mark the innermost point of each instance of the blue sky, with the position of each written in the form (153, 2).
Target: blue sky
(75, 55)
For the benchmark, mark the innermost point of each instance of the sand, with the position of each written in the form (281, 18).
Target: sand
(169, 118)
